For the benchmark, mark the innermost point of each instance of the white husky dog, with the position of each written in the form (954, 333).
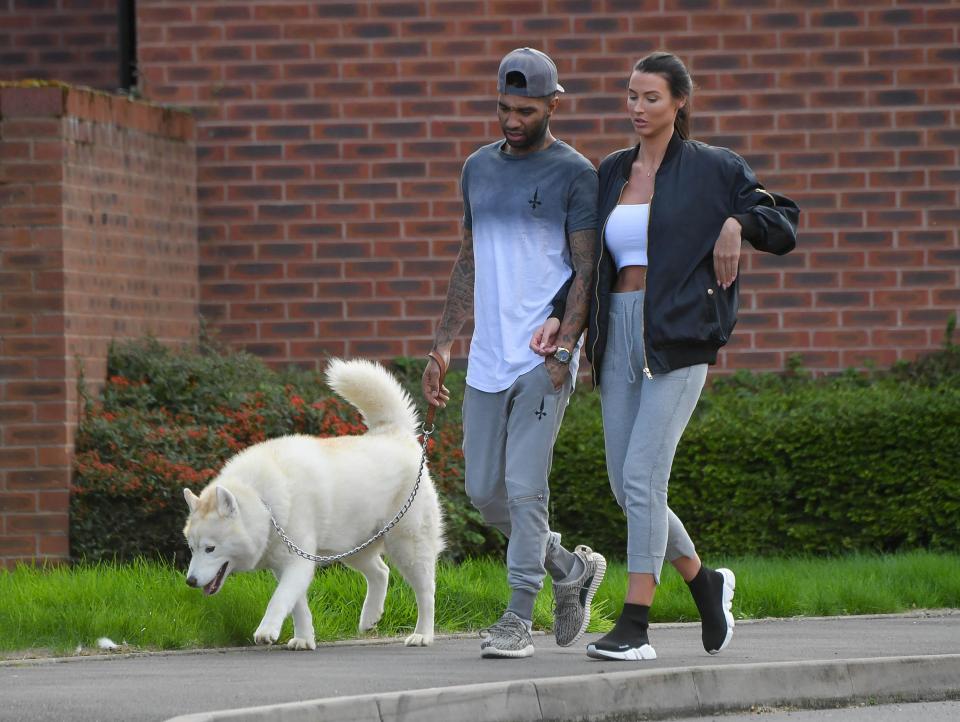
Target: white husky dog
(329, 495)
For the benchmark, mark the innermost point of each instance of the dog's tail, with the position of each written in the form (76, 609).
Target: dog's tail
(375, 392)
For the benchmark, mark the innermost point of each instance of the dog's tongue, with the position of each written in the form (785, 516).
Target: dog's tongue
(214, 585)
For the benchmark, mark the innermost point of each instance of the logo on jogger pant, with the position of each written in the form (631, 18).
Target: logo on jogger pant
(540, 413)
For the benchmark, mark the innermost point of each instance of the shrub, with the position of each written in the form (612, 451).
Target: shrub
(936, 368)
(788, 464)
(170, 419)
(768, 464)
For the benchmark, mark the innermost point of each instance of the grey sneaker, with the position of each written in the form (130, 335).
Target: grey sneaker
(571, 601)
(509, 637)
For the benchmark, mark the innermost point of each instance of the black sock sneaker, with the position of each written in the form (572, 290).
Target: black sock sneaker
(712, 592)
(628, 638)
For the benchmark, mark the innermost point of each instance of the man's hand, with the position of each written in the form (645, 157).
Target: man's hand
(726, 253)
(433, 392)
(544, 340)
(559, 372)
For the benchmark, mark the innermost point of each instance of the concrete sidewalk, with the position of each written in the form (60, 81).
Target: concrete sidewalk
(800, 662)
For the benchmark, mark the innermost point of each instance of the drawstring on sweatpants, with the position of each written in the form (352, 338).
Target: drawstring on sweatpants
(628, 336)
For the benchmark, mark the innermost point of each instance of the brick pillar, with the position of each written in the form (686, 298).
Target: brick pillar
(33, 446)
(97, 241)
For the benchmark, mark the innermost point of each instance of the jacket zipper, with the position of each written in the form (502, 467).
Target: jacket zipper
(603, 230)
(643, 301)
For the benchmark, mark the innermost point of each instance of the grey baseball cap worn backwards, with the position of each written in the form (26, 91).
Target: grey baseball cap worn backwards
(537, 69)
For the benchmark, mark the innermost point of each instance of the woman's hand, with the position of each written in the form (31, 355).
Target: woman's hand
(544, 340)
(726, 253)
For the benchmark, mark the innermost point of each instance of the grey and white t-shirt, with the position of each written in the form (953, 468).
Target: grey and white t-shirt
(520, 210)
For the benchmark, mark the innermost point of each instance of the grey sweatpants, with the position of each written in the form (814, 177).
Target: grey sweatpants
(643, 420)
(508, 442)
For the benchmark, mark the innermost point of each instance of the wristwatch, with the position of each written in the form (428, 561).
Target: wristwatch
(562, 355)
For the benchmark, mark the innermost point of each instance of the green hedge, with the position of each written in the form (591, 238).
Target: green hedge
(170, 419)
(786, 464)
(769, 463)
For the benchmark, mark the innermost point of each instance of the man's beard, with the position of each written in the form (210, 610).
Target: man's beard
(529, 141)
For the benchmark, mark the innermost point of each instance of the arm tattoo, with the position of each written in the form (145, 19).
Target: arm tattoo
(459, 304)
(583, 257)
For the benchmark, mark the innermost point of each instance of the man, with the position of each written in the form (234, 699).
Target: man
(529, 227)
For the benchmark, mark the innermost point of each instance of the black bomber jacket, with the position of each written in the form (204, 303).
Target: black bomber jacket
(687, 317)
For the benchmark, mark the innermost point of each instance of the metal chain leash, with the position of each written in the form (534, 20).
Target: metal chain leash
(392, 523)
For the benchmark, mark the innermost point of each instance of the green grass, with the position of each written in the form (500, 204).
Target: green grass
(148, 606)
(814, 586)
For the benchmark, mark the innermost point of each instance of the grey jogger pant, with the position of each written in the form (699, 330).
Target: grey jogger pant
(508, 440)
(643, 420)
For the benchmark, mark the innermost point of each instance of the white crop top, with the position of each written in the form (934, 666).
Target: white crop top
(626, 234)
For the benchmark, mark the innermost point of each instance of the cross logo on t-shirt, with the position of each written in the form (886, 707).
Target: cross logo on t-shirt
(535, 201)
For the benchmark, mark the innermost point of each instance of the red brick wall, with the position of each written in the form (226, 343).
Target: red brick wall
(331, 136)
(130, 226)
(97, 241)
(70, 40)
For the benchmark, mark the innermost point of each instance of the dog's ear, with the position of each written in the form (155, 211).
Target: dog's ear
(226, 503)
(191, 499)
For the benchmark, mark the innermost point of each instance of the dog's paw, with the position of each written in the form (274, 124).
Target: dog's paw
(366, 626)
(299, 643)
(266, 635)
(418, 640)
(369, 619)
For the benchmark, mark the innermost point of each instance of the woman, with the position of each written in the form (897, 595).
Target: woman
(672, 213)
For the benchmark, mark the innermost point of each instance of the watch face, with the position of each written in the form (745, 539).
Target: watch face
(562, 355)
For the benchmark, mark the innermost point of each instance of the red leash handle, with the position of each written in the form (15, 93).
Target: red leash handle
(431, 409)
